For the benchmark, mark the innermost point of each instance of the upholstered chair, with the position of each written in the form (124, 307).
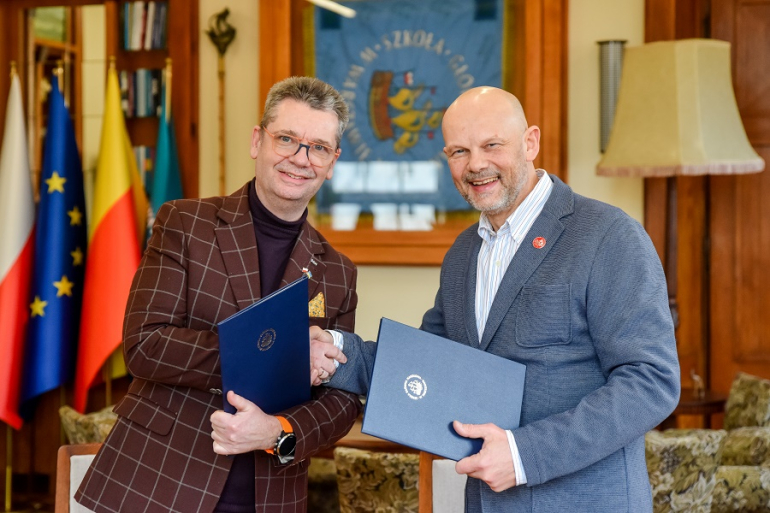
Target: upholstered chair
(379, 482)
(682, 465)
(88, 428)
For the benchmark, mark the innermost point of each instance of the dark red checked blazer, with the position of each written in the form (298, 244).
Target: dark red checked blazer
(200, 267)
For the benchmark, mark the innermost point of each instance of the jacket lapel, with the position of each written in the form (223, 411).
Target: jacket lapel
(469, 305)
(305, 259)
(238, 247)
(527, 258)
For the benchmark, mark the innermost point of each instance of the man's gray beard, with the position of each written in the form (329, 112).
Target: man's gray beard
(510, 195)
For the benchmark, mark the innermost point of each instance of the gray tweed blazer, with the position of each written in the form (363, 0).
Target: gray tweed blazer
(588, 315)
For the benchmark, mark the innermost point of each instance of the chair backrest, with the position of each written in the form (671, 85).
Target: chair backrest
(748, 404)
(442, 490)
(71, 466)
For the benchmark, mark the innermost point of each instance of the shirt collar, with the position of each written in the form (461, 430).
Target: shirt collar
(520, 221)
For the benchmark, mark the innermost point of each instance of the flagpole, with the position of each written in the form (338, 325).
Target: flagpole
(107, 370)
(8, 465)
(221, 35)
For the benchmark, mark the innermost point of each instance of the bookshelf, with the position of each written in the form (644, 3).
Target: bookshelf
(182, 48)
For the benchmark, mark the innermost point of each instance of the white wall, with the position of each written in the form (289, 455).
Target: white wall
(591, 21)
(241, 75)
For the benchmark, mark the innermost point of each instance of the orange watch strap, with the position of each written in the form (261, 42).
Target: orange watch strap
(286, 426)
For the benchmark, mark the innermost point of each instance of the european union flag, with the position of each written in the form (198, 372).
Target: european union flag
(60, 251)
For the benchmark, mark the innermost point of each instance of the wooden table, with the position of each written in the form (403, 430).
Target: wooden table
(358, 440)
(689, 404)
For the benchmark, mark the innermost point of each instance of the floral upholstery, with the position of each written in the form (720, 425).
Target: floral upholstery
(747, 446)
(741, 488)
(748, 403)
(682, 465)
(376, 481)
(88, 428)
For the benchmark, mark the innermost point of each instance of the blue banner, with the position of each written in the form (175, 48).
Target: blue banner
(60, 252)
(399, 64)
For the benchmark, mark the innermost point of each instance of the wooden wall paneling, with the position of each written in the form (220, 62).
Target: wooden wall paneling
(275, 44)
(740, 219)
(554, 89)
(183, 49)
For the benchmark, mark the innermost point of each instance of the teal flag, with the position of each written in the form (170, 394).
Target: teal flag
(166, 180)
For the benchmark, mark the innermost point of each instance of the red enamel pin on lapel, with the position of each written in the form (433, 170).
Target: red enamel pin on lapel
(539, 242)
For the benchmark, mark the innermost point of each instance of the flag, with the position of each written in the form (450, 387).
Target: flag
(117, 227)
(17, 222)
(60, 249)
(167, 181)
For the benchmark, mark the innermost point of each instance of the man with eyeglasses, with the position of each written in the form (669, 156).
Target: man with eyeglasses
(173, 449)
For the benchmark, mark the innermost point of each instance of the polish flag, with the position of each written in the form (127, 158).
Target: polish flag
(17, 222)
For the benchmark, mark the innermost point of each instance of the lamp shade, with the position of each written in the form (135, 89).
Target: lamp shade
(677, 115)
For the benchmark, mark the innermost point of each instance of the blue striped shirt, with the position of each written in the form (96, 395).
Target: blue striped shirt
(498, 248)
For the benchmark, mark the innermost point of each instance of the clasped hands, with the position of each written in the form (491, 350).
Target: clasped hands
(492, 464)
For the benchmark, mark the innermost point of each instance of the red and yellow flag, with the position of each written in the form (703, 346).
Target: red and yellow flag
(114, 245)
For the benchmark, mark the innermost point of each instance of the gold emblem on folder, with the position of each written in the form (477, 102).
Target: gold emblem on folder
(266, 339)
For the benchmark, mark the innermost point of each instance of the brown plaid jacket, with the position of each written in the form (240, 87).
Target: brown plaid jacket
(201, 266)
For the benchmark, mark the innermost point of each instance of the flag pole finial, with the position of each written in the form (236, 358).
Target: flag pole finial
(13, 69)
(59, 72)
(168, 88)
(112, 62)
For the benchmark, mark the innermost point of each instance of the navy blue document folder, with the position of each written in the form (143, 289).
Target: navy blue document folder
(264, 350)
(422, 382)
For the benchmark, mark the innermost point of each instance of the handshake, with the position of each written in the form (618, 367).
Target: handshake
(324, 356)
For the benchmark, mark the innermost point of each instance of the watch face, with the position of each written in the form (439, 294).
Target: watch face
(286, 445)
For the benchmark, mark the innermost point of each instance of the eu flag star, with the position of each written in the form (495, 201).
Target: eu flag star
(63, 287)
(37, 307)
(56, 183)
(76, 216)
(77, 257)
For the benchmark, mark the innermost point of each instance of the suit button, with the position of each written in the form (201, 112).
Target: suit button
(215, 391)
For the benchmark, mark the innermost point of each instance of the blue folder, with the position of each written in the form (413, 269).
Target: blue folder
(422, 382)
(264, 350)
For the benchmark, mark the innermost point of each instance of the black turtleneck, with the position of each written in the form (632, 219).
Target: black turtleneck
(275, 241)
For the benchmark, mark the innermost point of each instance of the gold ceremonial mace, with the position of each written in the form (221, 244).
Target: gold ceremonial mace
(221, 35)
(8, 428)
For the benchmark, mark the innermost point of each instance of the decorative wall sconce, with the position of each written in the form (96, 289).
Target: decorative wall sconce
(610, 66)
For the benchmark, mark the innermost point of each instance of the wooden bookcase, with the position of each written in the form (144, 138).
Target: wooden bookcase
(182, 48)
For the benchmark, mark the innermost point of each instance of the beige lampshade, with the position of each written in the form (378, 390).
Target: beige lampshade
(677, 115)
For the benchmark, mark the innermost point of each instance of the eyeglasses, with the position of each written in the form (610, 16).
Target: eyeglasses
(287, 146)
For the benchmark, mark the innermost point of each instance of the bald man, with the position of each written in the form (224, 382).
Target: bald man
(566, 285)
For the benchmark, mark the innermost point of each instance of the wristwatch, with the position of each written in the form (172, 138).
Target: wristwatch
(286, 443)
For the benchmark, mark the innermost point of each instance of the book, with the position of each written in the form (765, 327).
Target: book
(148, 26)
(264, 350)
(422, 382)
